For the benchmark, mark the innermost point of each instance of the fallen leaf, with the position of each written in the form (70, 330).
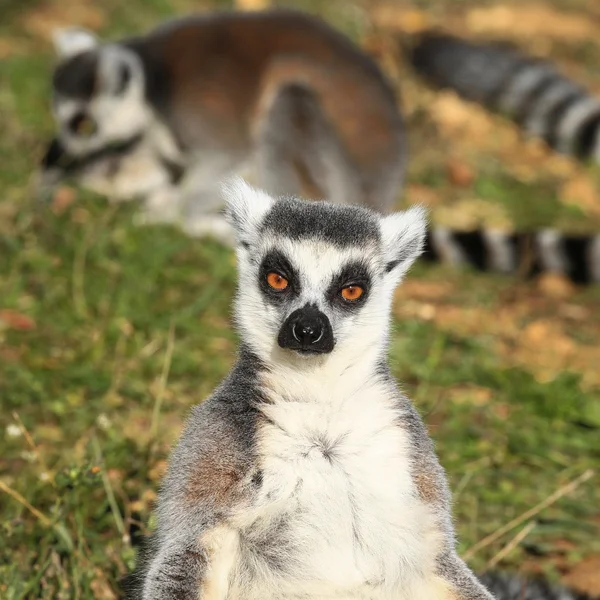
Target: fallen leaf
(460, 117)
(459, 173)
(585, 576)
(115, 475)
(581, 192)
(62, 199)
(136, 506)
(426, 312)
(149, 496)
(555, 285)
(16, 320)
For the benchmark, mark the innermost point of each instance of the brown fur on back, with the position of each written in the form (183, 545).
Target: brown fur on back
(224, 68)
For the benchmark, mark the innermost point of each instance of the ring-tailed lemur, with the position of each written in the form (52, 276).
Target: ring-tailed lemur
(212, 93)
(308, 474)
(169, 114)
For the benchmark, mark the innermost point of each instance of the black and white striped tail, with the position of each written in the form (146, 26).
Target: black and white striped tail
(528, 90)
(507, 586)
(527, 254)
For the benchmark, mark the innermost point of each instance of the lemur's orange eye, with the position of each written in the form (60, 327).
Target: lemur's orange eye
(352, 292)
(277, 281)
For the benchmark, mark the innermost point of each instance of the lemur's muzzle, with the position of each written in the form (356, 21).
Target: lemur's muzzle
(307, 330)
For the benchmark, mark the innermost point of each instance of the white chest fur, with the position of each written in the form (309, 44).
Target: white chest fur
(337, 514)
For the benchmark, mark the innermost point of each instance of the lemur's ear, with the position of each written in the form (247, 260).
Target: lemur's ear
(73, 40)
(403, 236)
(245, 208)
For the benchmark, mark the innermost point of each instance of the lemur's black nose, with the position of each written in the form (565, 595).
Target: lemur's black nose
(307, 330)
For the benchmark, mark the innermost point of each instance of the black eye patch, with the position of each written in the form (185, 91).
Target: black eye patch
(82, 125)
(356, 274)
(77, 76)
(276, 262)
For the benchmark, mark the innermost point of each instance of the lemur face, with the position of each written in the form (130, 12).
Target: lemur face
(316, 278)
(313, 293)
(98, 94)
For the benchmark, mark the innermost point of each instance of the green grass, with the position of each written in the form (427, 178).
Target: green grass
(126, 328)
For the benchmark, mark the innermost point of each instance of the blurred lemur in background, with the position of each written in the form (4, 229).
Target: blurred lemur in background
(284, 96)
(205, 96)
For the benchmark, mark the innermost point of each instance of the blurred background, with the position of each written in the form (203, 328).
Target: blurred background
(109, 333)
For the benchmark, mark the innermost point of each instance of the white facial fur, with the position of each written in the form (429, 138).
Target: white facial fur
(357, 332)
(119, 115)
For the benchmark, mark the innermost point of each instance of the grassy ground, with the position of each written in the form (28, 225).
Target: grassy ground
(109, 333)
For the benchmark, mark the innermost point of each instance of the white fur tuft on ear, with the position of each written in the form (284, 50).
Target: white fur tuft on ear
(403, 236)
(73, 40)
(245, 207)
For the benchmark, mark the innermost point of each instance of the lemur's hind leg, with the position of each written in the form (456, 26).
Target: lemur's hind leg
(298, 151)
(195, 211)
(200, 200)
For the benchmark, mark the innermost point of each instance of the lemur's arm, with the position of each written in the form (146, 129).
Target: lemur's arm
(176, 572)
(452, 579)
(192, 563)
(207, 478)
(463, 585)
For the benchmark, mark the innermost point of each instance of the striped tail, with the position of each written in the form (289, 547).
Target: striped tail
(528, 90)
(527, 254)
(506, 586)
